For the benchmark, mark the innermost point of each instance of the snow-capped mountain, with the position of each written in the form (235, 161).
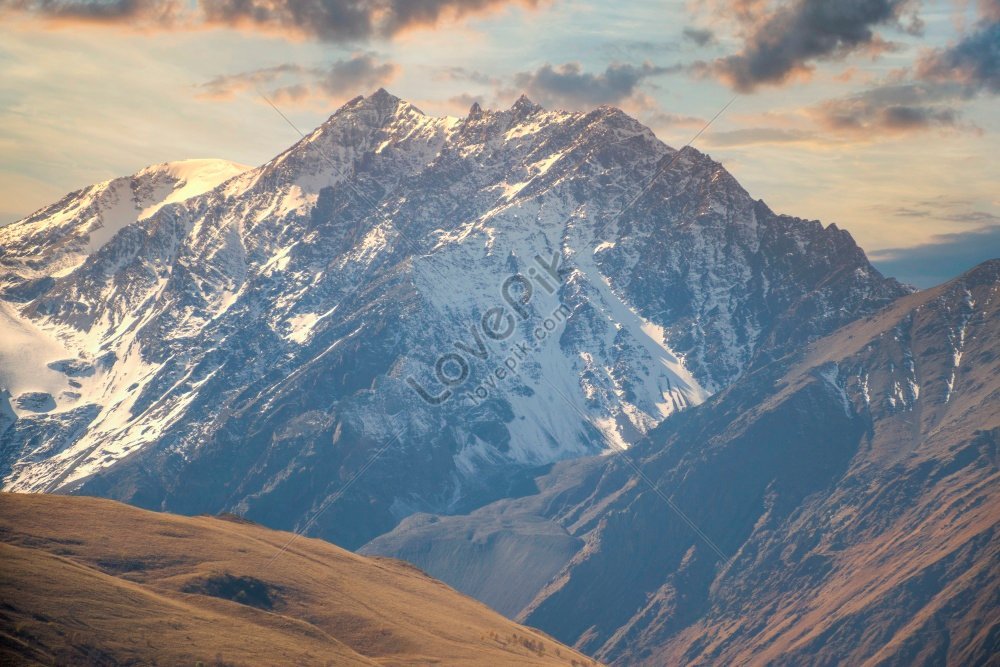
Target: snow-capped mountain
(399, 313)
(57, 239)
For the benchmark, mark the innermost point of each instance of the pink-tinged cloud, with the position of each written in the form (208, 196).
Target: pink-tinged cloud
(891, 109)
(327, 20)
(931, 94)
(974, 61)
(294, 83)
(569, 86)
(783, 41)
(140, 13)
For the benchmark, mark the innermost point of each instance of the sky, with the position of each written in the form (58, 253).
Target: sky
(878, 115)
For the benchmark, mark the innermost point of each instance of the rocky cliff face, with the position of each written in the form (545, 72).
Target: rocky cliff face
(441, 304)
(835, 505)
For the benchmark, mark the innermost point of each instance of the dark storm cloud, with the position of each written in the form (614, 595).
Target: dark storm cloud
(292, 82)
(569, 86)
(328, 20)
(788, 39)
(945, 257)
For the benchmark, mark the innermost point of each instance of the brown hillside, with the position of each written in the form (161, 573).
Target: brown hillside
(89, 581)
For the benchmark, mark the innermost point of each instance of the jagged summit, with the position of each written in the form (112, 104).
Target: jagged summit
(525, 106)
(385, 101)
(383, 96)
(381, 105)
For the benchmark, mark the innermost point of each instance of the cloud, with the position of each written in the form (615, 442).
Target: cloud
(346, 77)
(664, 124)
(657, 118)
(464, 101)
(989, 10)
(700, 36)
(893, 108)
(889, 110)
(458, 73)
(945, 257)
(327, 20)
(138, 12)
(782, 41)
(570, 87)
(295, 83)
(942, 208)
(400, 15)
(930, 94)
(227, 86)
(974, 61)
(759, 135)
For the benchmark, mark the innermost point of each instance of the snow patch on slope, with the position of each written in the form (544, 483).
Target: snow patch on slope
(190, 179)
(675, 386)
(25, 355)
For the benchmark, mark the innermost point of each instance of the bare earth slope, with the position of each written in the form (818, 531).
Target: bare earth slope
(89, 581)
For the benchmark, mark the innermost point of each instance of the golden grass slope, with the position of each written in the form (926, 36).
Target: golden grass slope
(94, 582)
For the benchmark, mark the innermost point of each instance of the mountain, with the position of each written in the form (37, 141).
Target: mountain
(94, 582)
(44, 368)
(57, 239)
(399, 314)
(838, 505)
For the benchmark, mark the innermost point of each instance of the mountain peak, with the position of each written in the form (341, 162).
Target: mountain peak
(375, 110)
(982, 273)
(383, 96)
(525, 106)
(380, 100)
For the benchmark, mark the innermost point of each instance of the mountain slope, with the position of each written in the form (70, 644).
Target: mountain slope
(412, 297)
(56, 239)
(850, 489)
(87, 581)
